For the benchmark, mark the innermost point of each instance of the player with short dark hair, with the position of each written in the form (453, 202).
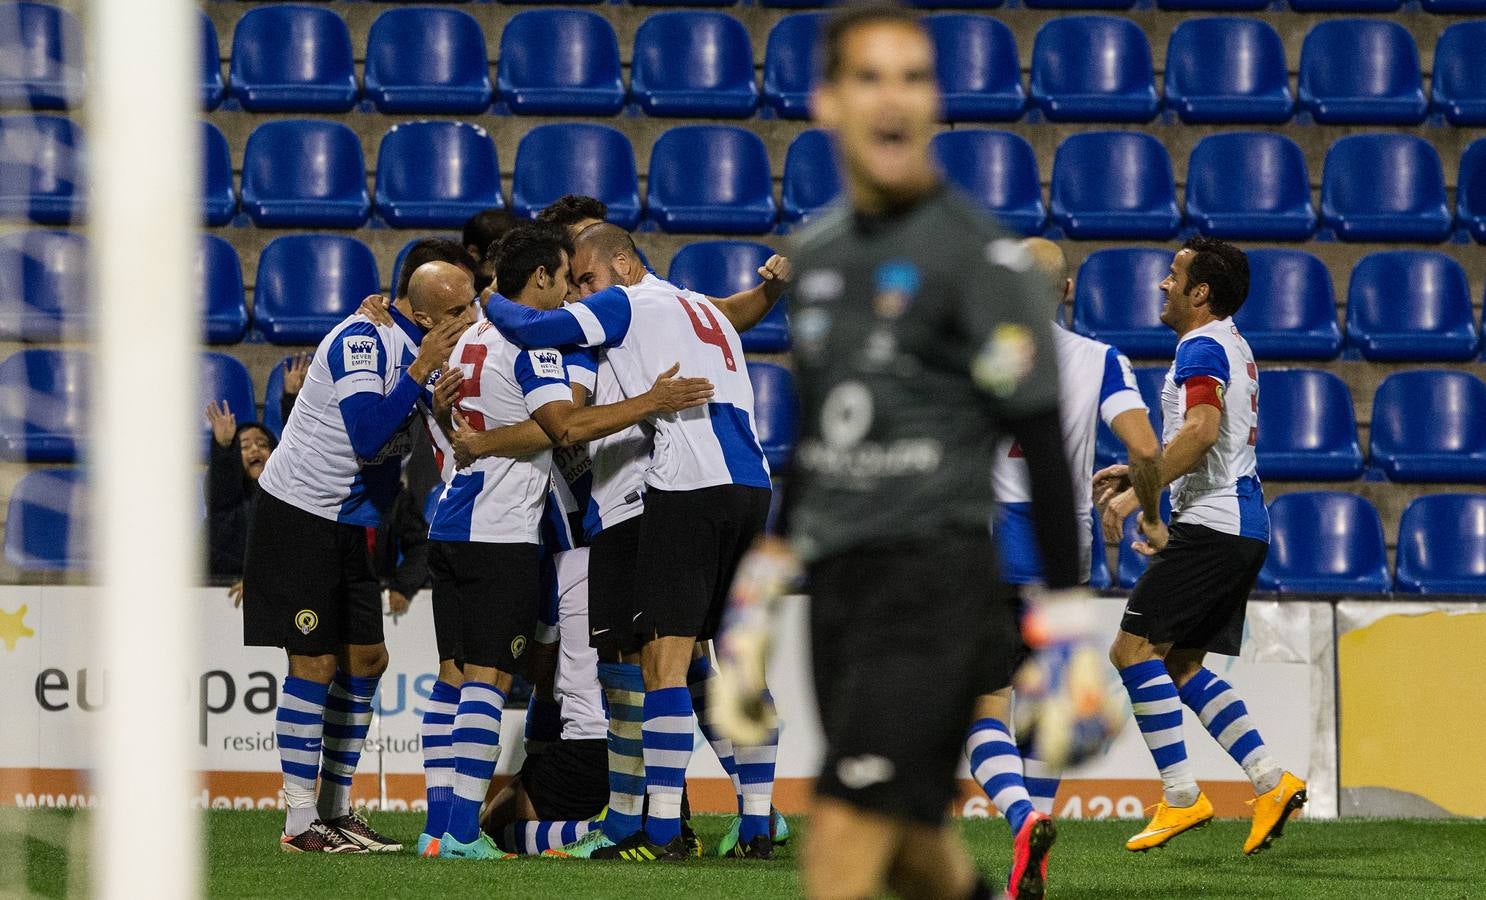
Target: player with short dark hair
(574, 212)
(481, 231)
(1192, 599)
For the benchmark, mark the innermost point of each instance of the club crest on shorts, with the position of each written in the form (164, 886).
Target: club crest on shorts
(306, 621)
(518, 646)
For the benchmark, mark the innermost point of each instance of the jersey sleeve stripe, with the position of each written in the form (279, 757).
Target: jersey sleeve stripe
(1201, 356)
(548, 393)
(1120, 402)
(593, 331)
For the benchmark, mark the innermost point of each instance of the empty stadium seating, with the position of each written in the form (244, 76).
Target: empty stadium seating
(791, 64)
(1361, 71)
(43, 285)
(1117, 300)
(427, 60)
(219, 288)
(1470, 191)
(1340, 6)
(1132, 564)
(1307, 429)
(596, 160)
(1442, 545)
(218, 197)
(304, 173)
(41, 57)
(1452, 7)
(693, 63)
(1458, 88)
(1213, 5)
(998, 169)
(41, 169)
(811, 178)
(1430, 426)
(979, 76)
(1226, 69)
(225, 378)
(1325, 543)
(722, 268)
(42, 405)
(45, 524)
(776, 410)
(436, 174)
(1384, 187)
(710, 178)
(1250, 185)
(307, 283)
(1114, 184)
(1093, 69)
(1107, 447)
(1410, 305)
(213, 86)
(273, 392)
(292, 58)
(1290, 312)
(560, 62)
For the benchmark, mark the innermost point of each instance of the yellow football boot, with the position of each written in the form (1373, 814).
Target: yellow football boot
(1170, 821)
(1271, 809)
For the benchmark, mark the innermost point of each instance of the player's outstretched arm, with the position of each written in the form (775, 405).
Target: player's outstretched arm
(746, 309)
(597, 320)
(569, 423)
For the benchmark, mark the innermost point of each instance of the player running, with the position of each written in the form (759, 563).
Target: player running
(1192, 599)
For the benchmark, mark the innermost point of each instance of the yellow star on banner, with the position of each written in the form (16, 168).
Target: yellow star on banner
(13, 627)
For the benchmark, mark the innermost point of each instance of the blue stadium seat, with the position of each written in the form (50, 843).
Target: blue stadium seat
(436, 174)
(1100, 578)
(979, 75)
(791, 63)
(213, 86)
(305, 173)
(292, 58)
(998, 169)
(427, 60)
(397, 262)
(1080, 4)
(219, 285)
(1336, 6)
(560, 62)
(43, 405)
(1131, 564)
(723, 268)
(1107, 447)
(1093, 69)
(1442, 545)
(1213, 5)
(1116, 300)
(711, 178)
(1250, 185)
(45, 522)
(1453, 7)
(1325, 542)
(1459, 82)
(693, 64)
(1290, 312)
(1384, 187)
(1430, 426)
(1307, 428)
(41, 57)
(1225, 69)
(273, 392)
(218, 197)
(224, 377)
(42, 173)
(954, 4)
(43, 285)
(776, 409)
(1411, 305)
(594, 160)
(1114, 184)
(307, 283)
(1361, 71)
(1470, 191)
(811, 178)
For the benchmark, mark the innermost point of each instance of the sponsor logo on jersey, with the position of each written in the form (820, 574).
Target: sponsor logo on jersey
(546, 363)
(359, 353)
(898, 282)
(821, 285)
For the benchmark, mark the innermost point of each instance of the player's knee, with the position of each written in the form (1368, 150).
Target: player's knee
(368, 660)
(319, 669)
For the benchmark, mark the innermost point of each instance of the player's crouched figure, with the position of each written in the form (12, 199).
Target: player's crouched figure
(1191, 601)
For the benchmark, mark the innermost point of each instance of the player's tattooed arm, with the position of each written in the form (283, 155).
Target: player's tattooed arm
(746, 309)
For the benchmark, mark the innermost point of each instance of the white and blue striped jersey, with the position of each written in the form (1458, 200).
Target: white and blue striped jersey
(646, 328)
(496, 499)
(1096, 382)
(341, 453)
(619, 464)
(1223, 492)
(572, 471)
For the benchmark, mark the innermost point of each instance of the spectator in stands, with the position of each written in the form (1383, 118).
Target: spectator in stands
(574, 212)
(239, 453)
(480, 231)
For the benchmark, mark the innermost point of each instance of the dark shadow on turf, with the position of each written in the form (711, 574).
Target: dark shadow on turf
(46, 869)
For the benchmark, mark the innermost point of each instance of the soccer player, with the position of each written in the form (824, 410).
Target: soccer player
(706, 494)
(308, 584)
(1192, 599)
(921, 337)
(573, 213)
(1096, 383)
(481, 231)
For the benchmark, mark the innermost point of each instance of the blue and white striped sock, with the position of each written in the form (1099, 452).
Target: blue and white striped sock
(1227, 720)
(698, 682)
(438, 755)
(476, 748)
(1158, 712)
(997, 768)
(298, 728)
(1042, 784)
(624, 691)
(535, 838)
(348, 713)
(667, 738)
(756, 780)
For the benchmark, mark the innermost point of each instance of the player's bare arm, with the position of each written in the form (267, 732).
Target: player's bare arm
(746, 309)
(568, 423)
(1133, 428)
(1114, 493)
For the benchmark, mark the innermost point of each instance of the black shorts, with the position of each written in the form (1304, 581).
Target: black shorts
(1196, 590)
(308, 584)
(690, 545)
(445, 603)
(568, 781)
(497, 589)
(612, 606)
(1001, 670)
(904, 636)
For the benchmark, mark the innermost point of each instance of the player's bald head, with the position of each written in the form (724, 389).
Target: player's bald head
(604, 254)
(604, 240)
(437, 286)
(1050, 262)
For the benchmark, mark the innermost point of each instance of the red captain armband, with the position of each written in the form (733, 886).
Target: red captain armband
(1204, 389)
